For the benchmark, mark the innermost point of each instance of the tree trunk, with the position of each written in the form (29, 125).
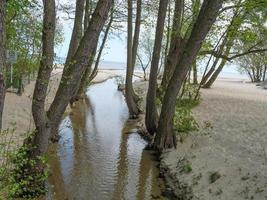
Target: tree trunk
(165, 137)
(151, 108)
(137, 30)
(90, 74)
(94, 72)
(77, 32)
(176, 45)
(136, 40)
(227, 42)
(42, 123)
(86, 15)
(264, 73)
(85, 77)
(71, 77)
(228, 34)
(195, 81)
(168, 36)
(2, 58)
(129, 92)
(215, 75)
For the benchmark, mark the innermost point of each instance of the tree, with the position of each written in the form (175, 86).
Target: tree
(90, 74)
(175, 44)
(247, 15)
(145, 52)
(2, 58)
(131, 57)
(151, 108)
(254, 65)
(165, 137)
(48, 122)
(42, 134)
(77, 31)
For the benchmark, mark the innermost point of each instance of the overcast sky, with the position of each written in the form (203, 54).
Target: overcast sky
(115, 48)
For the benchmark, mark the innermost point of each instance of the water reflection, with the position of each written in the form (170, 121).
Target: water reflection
(96, 158)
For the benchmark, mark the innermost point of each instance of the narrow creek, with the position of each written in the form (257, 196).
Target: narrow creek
(97, 158)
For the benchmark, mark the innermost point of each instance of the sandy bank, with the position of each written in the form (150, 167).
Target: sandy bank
(228, 155)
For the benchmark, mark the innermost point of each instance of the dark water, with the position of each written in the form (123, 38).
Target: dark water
(97, 158)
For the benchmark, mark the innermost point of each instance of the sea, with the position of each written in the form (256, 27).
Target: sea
(229, 71)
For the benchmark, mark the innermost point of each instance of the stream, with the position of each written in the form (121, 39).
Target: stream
(100, 155)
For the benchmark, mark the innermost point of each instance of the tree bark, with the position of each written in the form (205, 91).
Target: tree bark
(42, 123)
(136, 39)
(151, 118)
(86, 15)
(101, 48)
(195, 81)
(71, 77)
(129, 92)
(264, 73)
(90, 74)
(165, 137)
(77, 32)
(137, 30)
(176, 45)
(2, 58)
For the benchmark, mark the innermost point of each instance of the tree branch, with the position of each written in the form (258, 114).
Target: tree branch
(216, 54)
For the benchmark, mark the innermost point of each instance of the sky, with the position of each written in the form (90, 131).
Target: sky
(115, 50)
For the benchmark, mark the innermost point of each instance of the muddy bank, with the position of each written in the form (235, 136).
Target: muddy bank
(226, 158)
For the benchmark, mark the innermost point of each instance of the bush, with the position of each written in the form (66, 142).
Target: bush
(28, 176)
(184, 120)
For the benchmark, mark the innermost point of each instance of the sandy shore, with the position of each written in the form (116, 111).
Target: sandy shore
(230, 149)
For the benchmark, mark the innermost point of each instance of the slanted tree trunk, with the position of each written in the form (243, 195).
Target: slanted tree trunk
(71, 76)
(42, 123)
(151, 108)
(176, 45)
(90, 74)
(226, 52)
(2, 58)
(220, 50)
(165, 137)
(129, 92)
(101, 48)
(77, 32)
(215, 75)
(227, 43)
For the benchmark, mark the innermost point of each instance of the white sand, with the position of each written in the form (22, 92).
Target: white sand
(235, 146)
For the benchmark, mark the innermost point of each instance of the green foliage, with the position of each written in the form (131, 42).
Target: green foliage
(28, 176)
(184, 165)
(6, 150)
(184, 120)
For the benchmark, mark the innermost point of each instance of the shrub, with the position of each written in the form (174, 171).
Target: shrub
(184, 120)
(28, 176)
